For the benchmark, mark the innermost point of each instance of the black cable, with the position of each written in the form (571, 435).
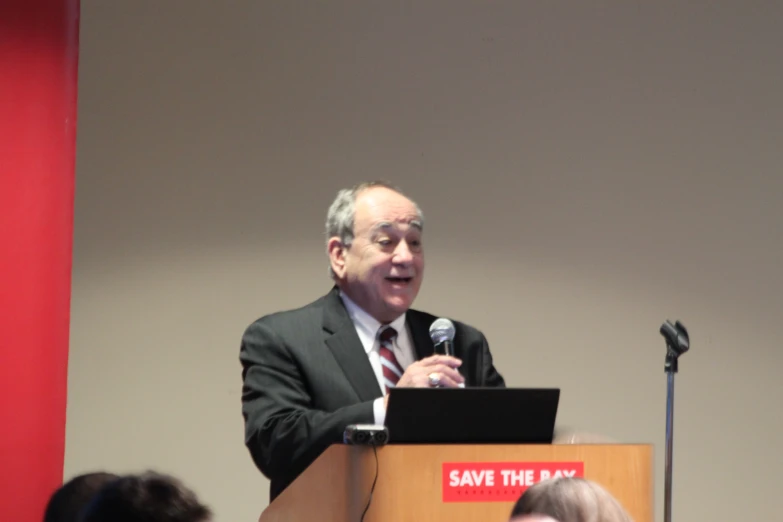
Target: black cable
(369, 500)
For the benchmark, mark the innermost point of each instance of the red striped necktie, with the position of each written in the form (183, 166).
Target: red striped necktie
(391, 368)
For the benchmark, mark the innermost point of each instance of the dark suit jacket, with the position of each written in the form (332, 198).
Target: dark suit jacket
(306, 376)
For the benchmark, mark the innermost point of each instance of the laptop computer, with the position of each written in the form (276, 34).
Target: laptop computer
(472, 415)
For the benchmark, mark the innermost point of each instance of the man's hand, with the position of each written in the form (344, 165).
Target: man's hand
(442, 368)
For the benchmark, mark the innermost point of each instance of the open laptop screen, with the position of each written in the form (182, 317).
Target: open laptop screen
(472, 415)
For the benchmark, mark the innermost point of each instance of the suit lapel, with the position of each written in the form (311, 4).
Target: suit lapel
(420, 334)
(342, 340)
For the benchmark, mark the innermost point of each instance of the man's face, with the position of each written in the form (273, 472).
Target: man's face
(382, 270)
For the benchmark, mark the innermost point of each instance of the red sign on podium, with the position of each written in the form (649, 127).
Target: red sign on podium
(500, 481)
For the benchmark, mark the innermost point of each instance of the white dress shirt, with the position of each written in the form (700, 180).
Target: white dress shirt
(367, 328)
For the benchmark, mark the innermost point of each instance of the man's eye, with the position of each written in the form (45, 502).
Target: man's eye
(384, 242)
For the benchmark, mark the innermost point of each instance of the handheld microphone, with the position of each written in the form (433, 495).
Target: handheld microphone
(442, 334)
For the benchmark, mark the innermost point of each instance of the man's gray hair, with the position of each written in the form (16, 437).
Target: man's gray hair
(340, 217)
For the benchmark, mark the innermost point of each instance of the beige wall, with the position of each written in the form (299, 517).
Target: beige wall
(586, 173)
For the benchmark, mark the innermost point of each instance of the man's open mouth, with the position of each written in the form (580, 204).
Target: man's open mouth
(399, 279)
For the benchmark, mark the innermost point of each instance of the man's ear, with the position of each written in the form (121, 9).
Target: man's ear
(336, 251)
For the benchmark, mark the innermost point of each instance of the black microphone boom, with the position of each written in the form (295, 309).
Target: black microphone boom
(677, 343)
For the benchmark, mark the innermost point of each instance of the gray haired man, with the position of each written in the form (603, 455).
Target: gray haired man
(310, 372)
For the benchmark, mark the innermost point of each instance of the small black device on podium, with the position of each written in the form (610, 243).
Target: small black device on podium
(366, 435)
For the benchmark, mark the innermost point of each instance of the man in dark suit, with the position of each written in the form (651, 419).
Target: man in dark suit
(310, 372)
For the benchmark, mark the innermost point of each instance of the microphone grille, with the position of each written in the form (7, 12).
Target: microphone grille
(442, 330)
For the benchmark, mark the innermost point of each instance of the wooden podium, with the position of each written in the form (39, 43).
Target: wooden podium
(410, 481)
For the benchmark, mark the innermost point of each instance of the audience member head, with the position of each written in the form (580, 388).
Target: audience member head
(568, 500)
(374, 244)
(67, 503)
(148, 497)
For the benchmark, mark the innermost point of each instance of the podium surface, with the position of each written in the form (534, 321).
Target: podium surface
(445, 482)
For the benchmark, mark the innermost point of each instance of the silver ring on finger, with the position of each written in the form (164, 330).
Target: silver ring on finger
(434, 379)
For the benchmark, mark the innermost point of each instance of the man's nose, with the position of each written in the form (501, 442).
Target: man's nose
(403, 254)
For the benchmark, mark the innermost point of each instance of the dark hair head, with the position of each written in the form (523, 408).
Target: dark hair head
(66, 504)
(148, 497)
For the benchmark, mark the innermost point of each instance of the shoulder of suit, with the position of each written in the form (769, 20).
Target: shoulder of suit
(428, 319)
(301, 313)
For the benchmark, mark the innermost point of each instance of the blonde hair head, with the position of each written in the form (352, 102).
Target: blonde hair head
(570, 500)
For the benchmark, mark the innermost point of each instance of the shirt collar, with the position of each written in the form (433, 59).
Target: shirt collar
(366, 325)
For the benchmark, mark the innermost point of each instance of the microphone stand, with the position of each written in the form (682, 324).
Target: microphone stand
(677, 343)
